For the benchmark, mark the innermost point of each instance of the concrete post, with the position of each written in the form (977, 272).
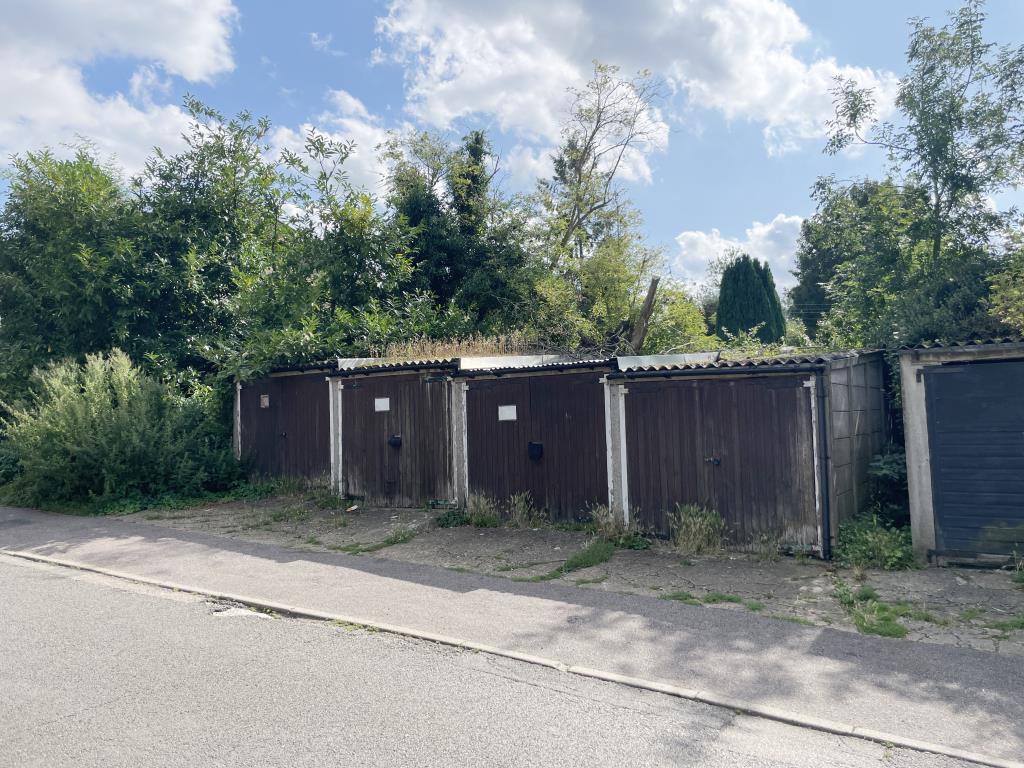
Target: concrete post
(460, 459)
(919, 470)
(615, 439)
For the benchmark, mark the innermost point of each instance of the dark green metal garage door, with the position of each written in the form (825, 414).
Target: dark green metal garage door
(976, 438)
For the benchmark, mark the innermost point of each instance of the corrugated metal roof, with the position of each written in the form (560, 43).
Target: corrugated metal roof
(508, 364)
(506, 361)
(352, 365)
(754, 363)
(939, 344)
(326, 365)
(664, 362)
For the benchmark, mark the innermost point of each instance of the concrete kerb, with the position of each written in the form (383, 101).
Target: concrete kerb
(704, 697)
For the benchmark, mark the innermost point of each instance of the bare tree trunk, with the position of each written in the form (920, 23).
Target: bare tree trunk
(639, 331)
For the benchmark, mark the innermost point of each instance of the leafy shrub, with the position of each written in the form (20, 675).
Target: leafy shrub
(452, 518)
(10, 468)
(890, 498)
(868, 542)
(696, 530)
(631, 540)
(98, 434)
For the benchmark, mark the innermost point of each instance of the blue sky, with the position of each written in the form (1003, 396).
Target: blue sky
(743, 123)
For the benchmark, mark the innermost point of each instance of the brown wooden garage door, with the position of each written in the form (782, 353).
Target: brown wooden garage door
(562, 416)
(396, 439)
(285, 425)
(741, 446)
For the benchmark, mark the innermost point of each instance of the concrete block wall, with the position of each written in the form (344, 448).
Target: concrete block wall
(857, 431)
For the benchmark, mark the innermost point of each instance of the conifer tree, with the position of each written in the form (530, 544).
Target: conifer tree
(744, 302)
(777, 322)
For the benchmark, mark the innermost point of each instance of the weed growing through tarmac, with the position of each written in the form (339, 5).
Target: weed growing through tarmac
(873, 616)
(595, 553)
(346, 625)
(795, 620)
(323, 497)
(681, 597)
(397, 536)
(482, 512)
(696, 530)
(766, 547)
(711, 598)
(1008, 625)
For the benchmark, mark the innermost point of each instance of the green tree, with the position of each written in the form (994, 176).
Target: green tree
(961, 136)
(73, 278)
(468, 243)
(776, 323)
(588, 232)
(677, 325)
(744, 303)
(959, 140)
(1008, 287)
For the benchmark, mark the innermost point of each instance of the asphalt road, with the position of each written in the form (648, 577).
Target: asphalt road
(935, 693)
(99, 672)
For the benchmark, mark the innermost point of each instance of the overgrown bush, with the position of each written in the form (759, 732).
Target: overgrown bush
(867, 541)
(452, 518)
(696, 530)
(97, 434)
(889, 495)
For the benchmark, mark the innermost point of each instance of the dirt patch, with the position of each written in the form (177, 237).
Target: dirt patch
(963, 607)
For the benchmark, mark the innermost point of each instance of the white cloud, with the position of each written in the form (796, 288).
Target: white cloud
(145, 82)
(525, 164)
(44, 99)
(774, 242)
(323, 43)
(189, 39)
(514, 60)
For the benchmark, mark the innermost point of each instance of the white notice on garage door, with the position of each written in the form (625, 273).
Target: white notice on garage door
(382, 403)
(506, 413)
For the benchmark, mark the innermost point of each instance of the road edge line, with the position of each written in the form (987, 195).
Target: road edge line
(704, 697)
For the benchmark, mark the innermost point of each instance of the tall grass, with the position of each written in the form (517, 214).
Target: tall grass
(697, 530)
(103, 432)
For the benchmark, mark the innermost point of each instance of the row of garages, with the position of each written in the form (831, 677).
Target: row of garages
(779, 447)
